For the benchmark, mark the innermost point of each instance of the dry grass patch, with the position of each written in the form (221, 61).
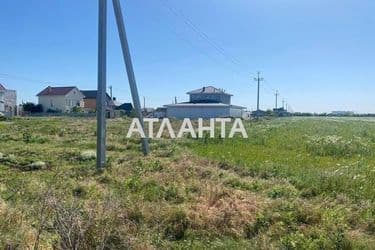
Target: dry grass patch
(224, 210)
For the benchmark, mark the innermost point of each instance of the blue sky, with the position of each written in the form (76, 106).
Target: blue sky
(319, 54)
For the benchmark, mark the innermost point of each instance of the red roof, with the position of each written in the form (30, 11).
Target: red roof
(2, 87)
(55, 91)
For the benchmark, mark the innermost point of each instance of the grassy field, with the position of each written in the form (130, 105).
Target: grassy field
(295, 183)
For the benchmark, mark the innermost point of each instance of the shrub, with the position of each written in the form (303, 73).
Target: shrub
(172, 194)
(176, 225)
(280, 191)
(79, 191)
(53, 111)
(262, 223)
(32, 108)
(77, 109)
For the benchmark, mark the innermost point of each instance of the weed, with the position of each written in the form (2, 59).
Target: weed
(176, 225)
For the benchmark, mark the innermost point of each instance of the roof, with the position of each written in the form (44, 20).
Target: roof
(2, 87)
(125, 106)
(92, 94)
(208, 90)
(203, 105)
(55, 91)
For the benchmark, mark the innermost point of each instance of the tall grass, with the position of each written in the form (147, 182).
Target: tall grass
(318, 156)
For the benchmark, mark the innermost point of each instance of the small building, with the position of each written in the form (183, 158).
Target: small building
(8, 101)
(125, 109)
(160, 112)
(207, 102)
(89, 100)
(60, 99)
(127, 106)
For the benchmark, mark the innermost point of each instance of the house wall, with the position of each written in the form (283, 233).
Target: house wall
(89, 103)
(197, 112)
(10, 101)
(2, 102)
(223, 98)
(236, 112)
(62, 103)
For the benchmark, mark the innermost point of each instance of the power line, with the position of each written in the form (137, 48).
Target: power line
(213, 44)
(199, 32)
(173, 29)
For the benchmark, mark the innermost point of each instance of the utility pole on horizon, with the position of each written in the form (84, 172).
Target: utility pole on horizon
(258, 79)
(276, 95)
(110, 92)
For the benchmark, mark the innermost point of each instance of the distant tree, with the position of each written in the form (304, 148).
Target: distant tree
(32, 108)
(38, 108)
(28, 107)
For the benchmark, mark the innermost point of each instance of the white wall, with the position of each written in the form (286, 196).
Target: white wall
(197, 112)
(10, 99)
(2, 102)
(236, 112)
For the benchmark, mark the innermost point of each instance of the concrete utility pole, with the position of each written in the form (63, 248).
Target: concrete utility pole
(283, 103)
(144, 103)
(129, 69)
(111, 92)
(175, 100)
(101, 94)
(276, 95)
(258, 79)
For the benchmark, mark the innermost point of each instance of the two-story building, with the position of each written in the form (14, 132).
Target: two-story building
(8, 101)
(206, 102)
(89, 100)
(60, 99)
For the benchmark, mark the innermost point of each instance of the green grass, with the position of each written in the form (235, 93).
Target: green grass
(317, 156)
(293, 184)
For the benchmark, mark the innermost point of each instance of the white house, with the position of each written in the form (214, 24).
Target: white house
(2, 98)
(206, 102)
(8, 101)
(61, 99)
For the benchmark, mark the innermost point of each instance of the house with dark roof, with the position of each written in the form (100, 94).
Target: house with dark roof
(127, 107)
(206, 102)
(60, 99)
(89, 100)
(8, 101)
